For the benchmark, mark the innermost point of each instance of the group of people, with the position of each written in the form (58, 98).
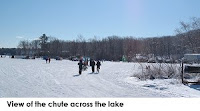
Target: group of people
(83, 64)
(48, 59)
(92, 64)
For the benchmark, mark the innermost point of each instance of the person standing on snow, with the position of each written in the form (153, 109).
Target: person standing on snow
(46, 59)
(98, 65)
(49, 59)
(80, 64)
(92, 64)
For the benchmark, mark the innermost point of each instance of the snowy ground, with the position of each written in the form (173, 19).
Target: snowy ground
(35, 78)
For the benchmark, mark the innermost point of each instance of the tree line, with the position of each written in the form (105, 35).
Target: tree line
(8, 51)
(187, 40)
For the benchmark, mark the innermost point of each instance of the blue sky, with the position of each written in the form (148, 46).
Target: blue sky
(66, 19)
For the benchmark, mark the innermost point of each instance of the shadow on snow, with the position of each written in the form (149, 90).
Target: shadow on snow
(195, 86)
(93, 73)
(76, 75)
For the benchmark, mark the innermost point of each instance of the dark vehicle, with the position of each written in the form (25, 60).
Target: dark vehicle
(73, 58)
(45, 57)
(58, 58)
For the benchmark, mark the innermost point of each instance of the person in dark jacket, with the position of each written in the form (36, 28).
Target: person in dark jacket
(46, 59)
(49, 59)
(80, 64)
(92, 64)
(98, 65)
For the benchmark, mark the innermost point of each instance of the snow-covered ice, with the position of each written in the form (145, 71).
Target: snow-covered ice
(35, 78)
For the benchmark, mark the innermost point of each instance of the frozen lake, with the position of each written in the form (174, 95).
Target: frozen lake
(35, 78)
